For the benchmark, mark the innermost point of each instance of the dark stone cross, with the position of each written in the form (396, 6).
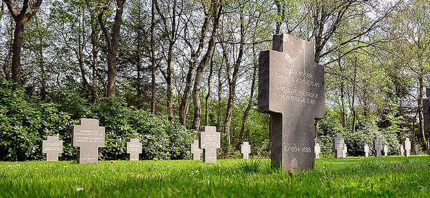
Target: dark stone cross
(291, 90)
(52, 146)
(210, 140)
(339, 145)
(378, 146)
(195, 150)
(134, 147)
(89, 136)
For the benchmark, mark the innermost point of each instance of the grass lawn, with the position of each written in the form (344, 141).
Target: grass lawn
(393, 176)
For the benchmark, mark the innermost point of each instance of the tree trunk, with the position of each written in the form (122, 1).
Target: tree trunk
(16, 52)
(354, 114)
(420, 108)
(95, 51)
(81, 54)
(208, 94)
(219, 97)
(153, 66)
(251, 95)
(233, 80)
(112, 41)
(183, 108)
(216, 14)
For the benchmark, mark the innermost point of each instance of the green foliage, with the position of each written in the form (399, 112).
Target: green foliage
(24, 123)
(393, 176)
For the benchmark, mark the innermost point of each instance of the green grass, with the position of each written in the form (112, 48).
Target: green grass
(352, 177)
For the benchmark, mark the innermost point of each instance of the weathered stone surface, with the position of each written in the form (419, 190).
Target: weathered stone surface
(88, 136)
(402, 150)
(195, 150)
(407, 147)
(134, 148)
(378, 146)
(339, 145)
(291, 90)
(210, 141)
(385, 150)
(245, 149)
(366, 150)
(317, 150)
(52, 146)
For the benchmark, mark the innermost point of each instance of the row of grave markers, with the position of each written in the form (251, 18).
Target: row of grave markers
(341, 148)
(89, 136)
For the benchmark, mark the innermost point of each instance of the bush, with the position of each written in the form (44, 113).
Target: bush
(25, 122)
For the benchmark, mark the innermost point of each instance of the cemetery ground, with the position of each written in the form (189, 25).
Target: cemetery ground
(393, 176)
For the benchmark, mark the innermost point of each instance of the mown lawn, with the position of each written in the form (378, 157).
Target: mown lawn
(393, 176)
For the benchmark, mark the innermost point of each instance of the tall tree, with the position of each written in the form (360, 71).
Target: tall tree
(21, 18)
(112, 40)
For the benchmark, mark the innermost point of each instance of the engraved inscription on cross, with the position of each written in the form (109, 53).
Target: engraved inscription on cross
(339, 145)
(245, 149)
(209, 142)
(195, 150)
(291, 90)
(52, 146)
(378, 146)
(89, 136)
(134, 148)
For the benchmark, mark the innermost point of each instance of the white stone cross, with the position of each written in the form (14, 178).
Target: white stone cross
(408, 147)
(366, 150)
(134, 147)
(385, 150)
(210, 141)
(317, 150)
(195, 150)
(245, 149)
(89, 136)
(52, 146)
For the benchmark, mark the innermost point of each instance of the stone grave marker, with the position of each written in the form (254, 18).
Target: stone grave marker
(291, 90)
(378, 146)
(345, 150)
(52, 146)
(195, 150)
(402, 150)
(339, 145)
(385, 150)
(88, 136)
(317, 150)
(209, 142)
(408, 147)
(366, 150)
(134, 147)
(245, 149)
(416, 149)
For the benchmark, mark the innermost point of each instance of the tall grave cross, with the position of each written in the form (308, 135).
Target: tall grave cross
(134, 147)
(345, 150)
(378, 146)
(408, 147)
(339, 145)
(245, 149)
(195, 150)
(291, 90)
(402, 150)
(366, 150)
(88, 136)
(209, 141)
(52, 146)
